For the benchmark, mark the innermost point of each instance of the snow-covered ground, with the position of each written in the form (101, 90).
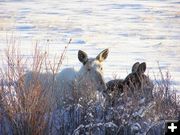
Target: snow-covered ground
(134, 30)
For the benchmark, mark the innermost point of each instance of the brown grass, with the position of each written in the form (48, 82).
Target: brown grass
(28, 108)
(166, 98)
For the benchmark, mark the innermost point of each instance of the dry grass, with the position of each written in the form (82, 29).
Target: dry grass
(166, 98)
(28, 108)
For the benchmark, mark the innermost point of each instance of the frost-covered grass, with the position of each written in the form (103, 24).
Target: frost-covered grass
(33, 110)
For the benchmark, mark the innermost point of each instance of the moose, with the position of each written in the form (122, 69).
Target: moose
(69, 81)
(135, 84)
(90, 76)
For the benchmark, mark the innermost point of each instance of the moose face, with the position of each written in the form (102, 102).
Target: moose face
(92, 68)
(137, 83)
(136, 79)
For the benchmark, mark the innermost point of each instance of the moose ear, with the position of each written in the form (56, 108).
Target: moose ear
(82, 56)
(102, 55)
(142, 68)
(135, 67)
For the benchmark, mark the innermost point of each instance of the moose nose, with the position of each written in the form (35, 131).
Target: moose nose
(102, 83)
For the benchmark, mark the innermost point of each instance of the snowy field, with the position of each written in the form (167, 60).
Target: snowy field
(133, 31)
